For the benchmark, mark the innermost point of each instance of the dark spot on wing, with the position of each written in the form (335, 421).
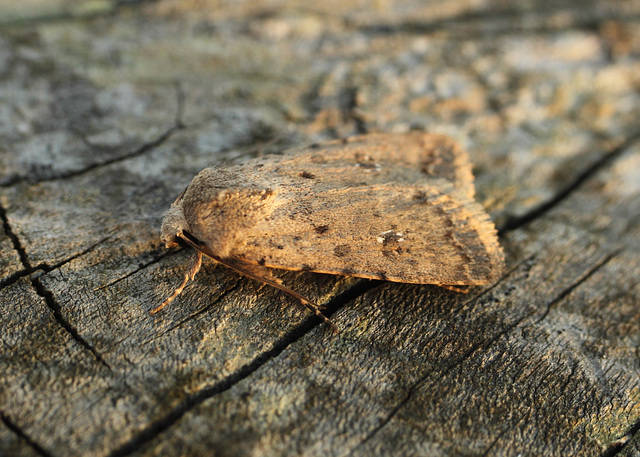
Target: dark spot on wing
(261, 261)
(391, 252)
(280, 246)
(420, 196)
(341, 250)
(306, 174)
(382, 275)
(369, 165)
(320, 229)
(348, 271)
(366, 162)
(300, 212)
(306, 267)
(439, 162)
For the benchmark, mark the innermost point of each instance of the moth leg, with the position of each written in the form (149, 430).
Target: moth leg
(252, 271)
(196, 263)
(460, 290)
(263, 275)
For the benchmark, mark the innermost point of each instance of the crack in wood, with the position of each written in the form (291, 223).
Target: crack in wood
(192, 316)
(43, 292)
(447, 370)
(21, 433)
(55, 307)
(45, 267)
(15, 277)
(487, 344)
(75, 173)
(506, 22)
(617, 447)
(15, 241)
(564, 293)
(161, 254)
(515, 222)
(157, 427)
(178, 124)
(481, 345)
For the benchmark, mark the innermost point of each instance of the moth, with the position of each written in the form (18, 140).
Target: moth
(394, 207)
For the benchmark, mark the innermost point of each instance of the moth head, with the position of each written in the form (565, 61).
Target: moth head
(173, 224)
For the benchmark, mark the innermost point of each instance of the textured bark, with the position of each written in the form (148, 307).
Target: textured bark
(105, 118)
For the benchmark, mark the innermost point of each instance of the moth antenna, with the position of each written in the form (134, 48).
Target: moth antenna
(196, 263)
(246, 270)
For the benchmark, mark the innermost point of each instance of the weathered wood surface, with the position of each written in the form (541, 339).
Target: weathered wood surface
(105, 118)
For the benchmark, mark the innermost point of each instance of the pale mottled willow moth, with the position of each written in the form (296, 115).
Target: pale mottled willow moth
(395, 207)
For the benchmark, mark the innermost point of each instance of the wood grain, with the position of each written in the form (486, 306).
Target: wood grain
(105, 119)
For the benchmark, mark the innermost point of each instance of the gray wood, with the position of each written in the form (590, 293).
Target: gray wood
(105, 118)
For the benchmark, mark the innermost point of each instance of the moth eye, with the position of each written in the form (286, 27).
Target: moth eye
(179, 242)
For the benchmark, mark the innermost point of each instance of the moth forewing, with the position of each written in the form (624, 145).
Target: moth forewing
(392, 231)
